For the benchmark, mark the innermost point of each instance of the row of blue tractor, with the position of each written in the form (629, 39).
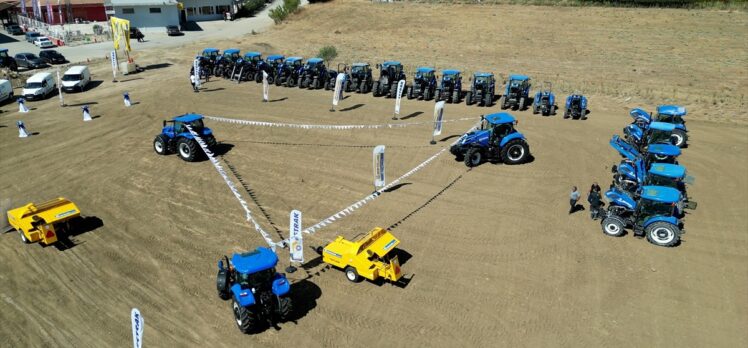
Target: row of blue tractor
(426, 85)
(649, 189)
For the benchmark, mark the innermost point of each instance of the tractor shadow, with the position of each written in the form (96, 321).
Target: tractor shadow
(415, 114)
(95, 117)
(304, 295)
(85, 224)
(354, 107)
(128, 80)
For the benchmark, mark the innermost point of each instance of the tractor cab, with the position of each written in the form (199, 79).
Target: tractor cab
(211, 54)
(294, 62)
(424, 73)
(275, 60)
(451, 76)
(360, 69)
(232, 54)
(314, 63)
(518, 84)
(176, 126)
(668, 175)
(483, 80)
(393, 69)
(253, 57)
(671, 114)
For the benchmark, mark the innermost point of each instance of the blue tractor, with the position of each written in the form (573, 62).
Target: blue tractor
(290, 72)
(424, 84)
(175, 137)
(272, 65)
(576, 107)
(495, 140)
(482, 90)
(259, 295)
(672, 114)
(544, 102)
(654, 153)
(250, 69)
(390, 73)
(652, 213)
(315, 75)
(225, 63)
(210, 56)
(359, 78)
(653, 133)
(517, 92)
(450, 88)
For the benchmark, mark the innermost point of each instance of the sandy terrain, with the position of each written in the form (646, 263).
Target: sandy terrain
(496, 259)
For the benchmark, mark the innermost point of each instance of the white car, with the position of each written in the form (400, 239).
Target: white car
(43, 42)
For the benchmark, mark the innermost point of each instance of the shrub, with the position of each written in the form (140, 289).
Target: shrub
(280, 13)
(328, 53)
(250, 7)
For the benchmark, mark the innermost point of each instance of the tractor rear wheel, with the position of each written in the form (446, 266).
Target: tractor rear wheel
(352, 275)
(521, 103)
(245, 318)
(553, 110)
(222, 284)
(285, 308)
(469, 98)
(515, 151)
(187, 149)
(160, 144)
(504, 104)
(473, 157)
(258, 77)
(614, 226)
(663, 234)
(679, 138)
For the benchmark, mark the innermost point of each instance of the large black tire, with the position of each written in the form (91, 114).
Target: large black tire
(427, 94)
(679, 138)
(553, 110)
(456, 97)
(285, 307)
(438, 95)
(521, 103)
(410, 92)
(161, 144)
(469, 98)
(566, 114)
(187, 149)
(278, 81)
(375, 89)
(473, 157)
(515, 152)
(245, 318)
(613, 226)
(352, 275)
(258, 77)
(222, 284)
(534, 109)
(393, 90)
(663, 234)
(504, 104)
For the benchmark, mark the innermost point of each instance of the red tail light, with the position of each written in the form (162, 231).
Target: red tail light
(50, 234)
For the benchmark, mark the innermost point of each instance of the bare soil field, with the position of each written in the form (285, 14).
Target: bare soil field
(495, 258)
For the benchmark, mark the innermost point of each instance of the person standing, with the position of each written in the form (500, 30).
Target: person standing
(595, 201)
(573, 199)
(193, 81)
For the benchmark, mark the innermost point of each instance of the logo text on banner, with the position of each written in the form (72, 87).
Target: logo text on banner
(399, 96)
(295, 239)
(379, 179)
(113, 57)
(137, 328)
(196, 69)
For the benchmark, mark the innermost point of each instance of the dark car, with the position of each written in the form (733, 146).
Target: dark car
(135, 33)
(173, 30)
(52, 57)
(29, 61)
(14, 29)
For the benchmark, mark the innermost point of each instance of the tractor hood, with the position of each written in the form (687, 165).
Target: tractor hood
(664, 150)
(639, 114)
(478, 137)
(620, 198)
(624, 148)
(632, 171)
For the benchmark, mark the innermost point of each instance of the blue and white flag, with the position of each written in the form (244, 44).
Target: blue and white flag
(113, 57)
(438, 117)
(22, 132)
(399, 96)
(137, 328)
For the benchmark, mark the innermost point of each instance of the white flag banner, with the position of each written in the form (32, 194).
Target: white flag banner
(438, 117)
(59, 10)
(338, 94)
(265, 87)
(113, 56)
(196, 69)
(295, 239)
(137, 328)
(399, 97)
(378, 155)
(59, 88)
(50, 14)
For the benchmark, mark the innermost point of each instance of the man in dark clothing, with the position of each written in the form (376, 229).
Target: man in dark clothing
(595, 203)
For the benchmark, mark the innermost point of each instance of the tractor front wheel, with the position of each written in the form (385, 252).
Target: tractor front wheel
(285, 308)
(504, 104)
(469, 98)
(456, 97)
(187, 149)
(160, 144)
(663, 234)
(352, 275)
(515, 152)
(244, 317)
(375, 89)
(521, 104)
(222, 284)
(473, 157)
(534, 109)
(679, 138)
(613, 226)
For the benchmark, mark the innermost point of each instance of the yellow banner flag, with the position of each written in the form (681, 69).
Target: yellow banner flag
(120, 29)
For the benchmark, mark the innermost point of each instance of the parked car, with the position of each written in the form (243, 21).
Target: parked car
(31, 36)
(52, 57)
(76, 79)
(43, 42)
(29, 61)
(6, 91)
(173, 30)
(14, 29)
(135, 33)
(39, 86)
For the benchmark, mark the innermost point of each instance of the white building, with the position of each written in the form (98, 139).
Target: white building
(157, 14)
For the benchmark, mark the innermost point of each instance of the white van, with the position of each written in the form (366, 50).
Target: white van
(39, 86)
(6, 91)
(76, 78)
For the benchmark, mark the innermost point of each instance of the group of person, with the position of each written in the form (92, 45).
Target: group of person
(594, 198)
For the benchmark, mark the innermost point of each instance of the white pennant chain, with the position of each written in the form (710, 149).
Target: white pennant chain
(336, 127)
(233, 189)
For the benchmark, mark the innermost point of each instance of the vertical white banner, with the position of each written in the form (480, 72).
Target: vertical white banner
(196, 69)
(379, 180)
(338, 94)
(113, 56)
(438, 117)
(265, 87)
(295, 239)
(59, 88)
(59, 10)
(137, 328)
(399, 96)
(50, 14)
(23, 8)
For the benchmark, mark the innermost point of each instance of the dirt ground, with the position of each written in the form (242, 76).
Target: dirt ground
(495, 258)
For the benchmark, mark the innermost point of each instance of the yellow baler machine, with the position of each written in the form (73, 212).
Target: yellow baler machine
(365, 257)
(42, 222)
